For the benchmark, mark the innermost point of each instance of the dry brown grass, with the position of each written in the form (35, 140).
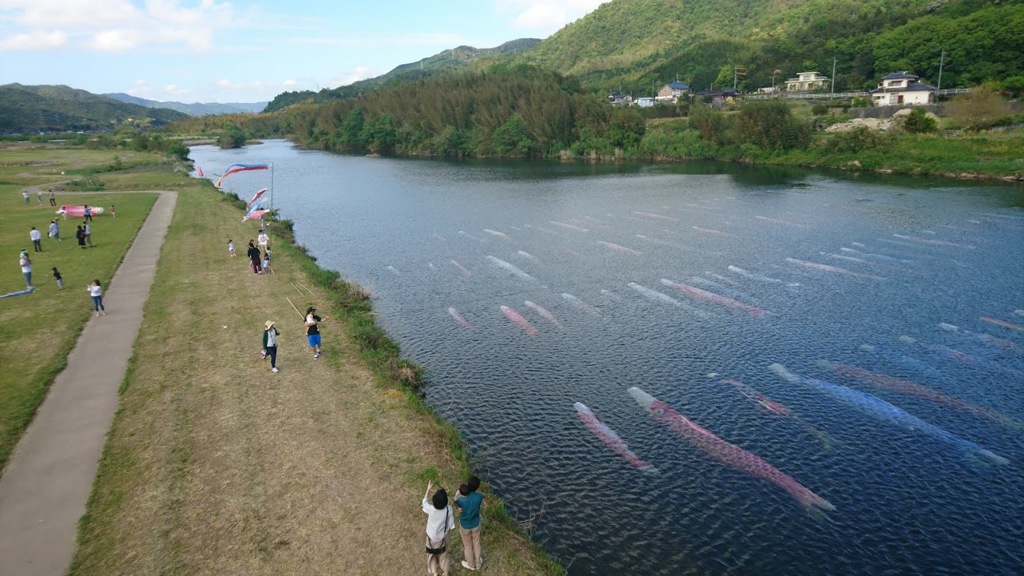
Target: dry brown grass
(215, 465)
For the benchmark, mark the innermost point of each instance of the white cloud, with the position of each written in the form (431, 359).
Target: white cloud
(118, 25)
(354, 75)
(545, 15)
(38, 40)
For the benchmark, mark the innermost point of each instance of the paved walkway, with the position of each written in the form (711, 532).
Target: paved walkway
(44, 490)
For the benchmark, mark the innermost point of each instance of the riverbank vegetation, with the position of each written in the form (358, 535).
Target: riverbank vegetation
(523, 112)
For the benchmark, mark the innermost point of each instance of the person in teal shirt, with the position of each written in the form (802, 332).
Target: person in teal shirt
(469, 500)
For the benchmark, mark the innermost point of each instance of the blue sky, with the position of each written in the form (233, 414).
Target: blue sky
(249, 51)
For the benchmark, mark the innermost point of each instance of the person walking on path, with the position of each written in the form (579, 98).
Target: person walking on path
(26, 268)
(270, 335)
(37, 239)
(87, 212)
(54, 231)
(96, 291)
(57, 277)
(53, 197)
(254, 258)
(231, 247)
(313, 330)
(440, 521)
(87, 232)
(80, 235)
(469, 500)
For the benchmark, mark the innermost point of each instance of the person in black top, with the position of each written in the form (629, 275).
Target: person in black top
(313, 330)
(254, 257)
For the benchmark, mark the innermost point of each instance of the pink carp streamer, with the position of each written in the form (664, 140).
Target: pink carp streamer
(779, 409)
(1002, 323)
(518, 320)
(544, 312)
(726, 453)
(610, 438)
(711, 296)
(833, 269)
(911, 388)
(458, 318)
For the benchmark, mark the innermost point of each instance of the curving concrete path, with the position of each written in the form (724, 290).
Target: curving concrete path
(43, 491)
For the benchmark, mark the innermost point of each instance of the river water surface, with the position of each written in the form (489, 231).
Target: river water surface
(524, 288)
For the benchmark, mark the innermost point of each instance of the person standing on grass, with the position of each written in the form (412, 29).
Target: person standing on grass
(313, 330)
(266, 259)
(270, 335)
(80, 236)
(87, 212)
(39, 196)
(96, 291)
(469, 500)
(263, 240)
(440, 521)
(26, 268)
(37, 239)
(113, 214)
(24, 194)
(54, 231)
(231, 247)
(56, 276)
(53, 198)
(254, 258)
(87, 232)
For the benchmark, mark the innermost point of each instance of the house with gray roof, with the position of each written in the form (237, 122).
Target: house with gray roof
(901, 88)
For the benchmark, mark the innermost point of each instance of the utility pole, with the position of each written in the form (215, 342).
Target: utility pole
(833, 79)
(942, 59)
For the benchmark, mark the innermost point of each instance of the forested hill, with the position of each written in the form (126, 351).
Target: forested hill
(634, 45)
(27, 109)
(448, 61)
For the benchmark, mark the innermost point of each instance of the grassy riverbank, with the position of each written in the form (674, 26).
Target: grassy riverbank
(215, 465)
(39, 330)
(968, 156)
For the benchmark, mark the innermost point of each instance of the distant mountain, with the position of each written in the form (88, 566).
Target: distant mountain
(28, 109)
(195, 108)
(448, 61)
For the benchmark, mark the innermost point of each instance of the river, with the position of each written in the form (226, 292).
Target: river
(523, 288)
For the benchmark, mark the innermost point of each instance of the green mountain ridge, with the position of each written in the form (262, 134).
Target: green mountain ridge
(29, 109)
(451, 60)
(639, 44)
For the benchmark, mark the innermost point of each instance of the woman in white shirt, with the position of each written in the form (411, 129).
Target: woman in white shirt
(96, 291)
(440, 520)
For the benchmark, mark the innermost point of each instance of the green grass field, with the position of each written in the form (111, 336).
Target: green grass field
(39, 329)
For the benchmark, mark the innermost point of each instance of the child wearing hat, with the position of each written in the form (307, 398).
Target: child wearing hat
(270, 335)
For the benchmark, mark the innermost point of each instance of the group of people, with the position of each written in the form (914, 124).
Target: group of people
(39, 195)
(83, 234)
(95, 288)
(441, 521)
(270, 334)
(259, 261)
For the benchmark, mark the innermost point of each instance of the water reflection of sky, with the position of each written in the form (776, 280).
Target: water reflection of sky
(904, 257)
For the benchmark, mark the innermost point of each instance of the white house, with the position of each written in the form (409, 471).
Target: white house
(644, 101)
(807, 82)
(902, 88)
